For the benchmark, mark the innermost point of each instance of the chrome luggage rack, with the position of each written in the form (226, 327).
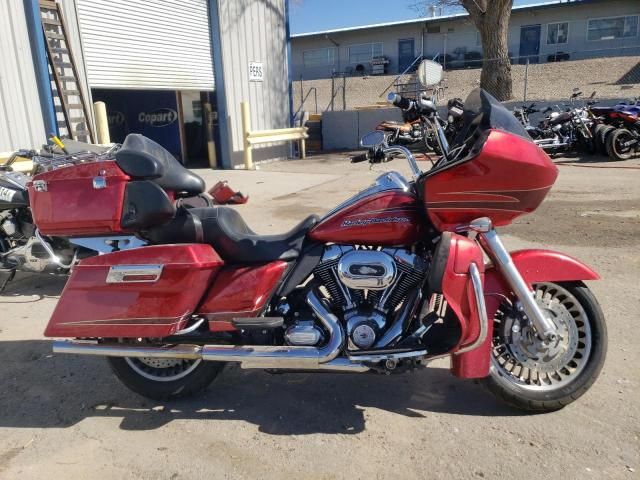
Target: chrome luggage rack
(45, 163)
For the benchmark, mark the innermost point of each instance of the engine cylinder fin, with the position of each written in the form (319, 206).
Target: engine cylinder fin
(407, 280)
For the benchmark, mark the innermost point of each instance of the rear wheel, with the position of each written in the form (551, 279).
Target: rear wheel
(164, 379)
(617, 147)
(533, 375)
(602, 136)
(586, 142)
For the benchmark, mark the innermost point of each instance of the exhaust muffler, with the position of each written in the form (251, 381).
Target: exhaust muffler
(249, 356)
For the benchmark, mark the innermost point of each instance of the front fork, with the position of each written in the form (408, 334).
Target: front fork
(491, 243)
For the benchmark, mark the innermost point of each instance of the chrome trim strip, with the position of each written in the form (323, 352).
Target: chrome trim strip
(190, 329)
(118, 273)
(478, 293)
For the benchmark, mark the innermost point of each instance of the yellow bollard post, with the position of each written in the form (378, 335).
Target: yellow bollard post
(102, 123)
(246, 131)
(303, 148)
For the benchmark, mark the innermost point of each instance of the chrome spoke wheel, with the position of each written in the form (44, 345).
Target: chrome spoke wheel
(522, 358)
(162, 369)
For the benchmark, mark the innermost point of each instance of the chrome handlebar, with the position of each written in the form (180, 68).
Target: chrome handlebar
(399, 149)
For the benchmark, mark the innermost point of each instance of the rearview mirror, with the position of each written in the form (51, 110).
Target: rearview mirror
(429, 73)
(372, 140)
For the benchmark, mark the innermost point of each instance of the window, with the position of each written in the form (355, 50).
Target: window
(433, 29)
(478, 39)
(365, 52)
(557, 33)
(320, 57)
(612, 28)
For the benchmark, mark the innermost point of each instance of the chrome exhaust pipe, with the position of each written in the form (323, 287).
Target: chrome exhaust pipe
(187, 352)
(249, 356)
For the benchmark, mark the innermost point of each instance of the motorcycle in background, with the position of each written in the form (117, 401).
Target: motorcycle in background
(387, 281)
(423, 129)
(561, 131)
(617, 129)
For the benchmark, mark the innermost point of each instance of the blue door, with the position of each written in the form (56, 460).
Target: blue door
(529, 43)
(406, 53)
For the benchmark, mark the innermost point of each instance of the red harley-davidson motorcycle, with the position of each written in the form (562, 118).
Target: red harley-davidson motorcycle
(385, 282)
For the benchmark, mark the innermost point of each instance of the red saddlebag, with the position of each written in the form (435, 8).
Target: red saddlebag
(83, 199)
(142, 292)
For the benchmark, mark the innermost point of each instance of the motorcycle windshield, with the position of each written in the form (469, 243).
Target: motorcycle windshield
(483, 112)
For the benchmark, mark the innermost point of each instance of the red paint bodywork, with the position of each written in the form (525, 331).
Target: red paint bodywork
(239, 291)
(386, 218)
(91, 307)
(509, 177)
(71, 206)
(457, 289)
(535, 266)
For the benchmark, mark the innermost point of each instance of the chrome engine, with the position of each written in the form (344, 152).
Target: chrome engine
(368, 286)
(20, 250)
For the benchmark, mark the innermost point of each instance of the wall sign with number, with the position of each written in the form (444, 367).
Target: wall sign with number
(256, 72)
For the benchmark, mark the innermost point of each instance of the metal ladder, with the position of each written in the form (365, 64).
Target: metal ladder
(72, 113)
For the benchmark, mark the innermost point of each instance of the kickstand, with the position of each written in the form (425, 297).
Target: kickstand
(8, 276)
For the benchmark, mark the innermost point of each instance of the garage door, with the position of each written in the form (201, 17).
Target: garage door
(147, 44)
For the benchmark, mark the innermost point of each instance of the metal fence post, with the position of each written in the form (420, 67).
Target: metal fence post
(344, 92)
(526, 79)
(333, 89)
(246, 131)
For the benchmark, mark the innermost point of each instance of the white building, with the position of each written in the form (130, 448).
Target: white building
(156, 65)
(551, 31)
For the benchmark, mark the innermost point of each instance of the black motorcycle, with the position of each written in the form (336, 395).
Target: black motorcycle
(561, 131)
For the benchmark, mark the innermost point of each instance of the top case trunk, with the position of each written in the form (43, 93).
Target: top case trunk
(142, 292)
(79, 200)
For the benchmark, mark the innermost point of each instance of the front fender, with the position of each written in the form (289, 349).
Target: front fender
(549, 266)
(534, 266)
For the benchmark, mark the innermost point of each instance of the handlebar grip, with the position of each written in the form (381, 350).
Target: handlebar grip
(399, 101)
(360, 158)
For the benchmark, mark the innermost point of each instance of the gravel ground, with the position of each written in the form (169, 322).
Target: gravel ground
(67, 417)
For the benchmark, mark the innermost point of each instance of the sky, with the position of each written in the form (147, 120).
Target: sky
(317, 15)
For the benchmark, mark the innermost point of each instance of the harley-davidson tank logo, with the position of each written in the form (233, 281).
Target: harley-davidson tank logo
(365, 222)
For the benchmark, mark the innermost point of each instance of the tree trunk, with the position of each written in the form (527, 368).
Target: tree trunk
(492, 21)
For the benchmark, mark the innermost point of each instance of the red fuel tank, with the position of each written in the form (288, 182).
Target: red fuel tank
(383, 214)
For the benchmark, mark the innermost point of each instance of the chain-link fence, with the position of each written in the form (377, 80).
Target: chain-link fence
(613, 74)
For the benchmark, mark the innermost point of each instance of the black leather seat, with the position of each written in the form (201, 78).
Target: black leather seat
(144, 159)
(224, 229)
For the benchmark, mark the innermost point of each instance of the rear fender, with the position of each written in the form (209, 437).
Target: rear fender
(534, 266)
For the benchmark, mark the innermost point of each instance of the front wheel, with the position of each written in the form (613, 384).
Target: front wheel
(164, 379)
(533, 375)
(618, 144)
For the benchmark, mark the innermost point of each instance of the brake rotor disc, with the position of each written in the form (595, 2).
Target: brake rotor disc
(523, 358)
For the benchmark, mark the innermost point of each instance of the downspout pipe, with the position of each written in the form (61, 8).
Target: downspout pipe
(41, 65)
(224, 134)
(289, 62)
